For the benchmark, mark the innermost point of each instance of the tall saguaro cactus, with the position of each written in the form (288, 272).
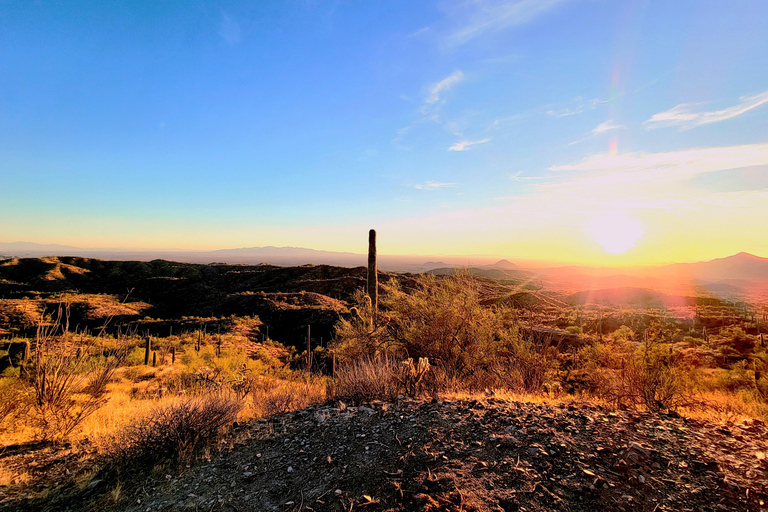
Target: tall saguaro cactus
(373, 282)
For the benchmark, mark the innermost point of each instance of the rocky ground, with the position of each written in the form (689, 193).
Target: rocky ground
(470, 455)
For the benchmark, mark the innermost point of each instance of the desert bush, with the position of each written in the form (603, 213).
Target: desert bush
(358, 334)
(271, 396)
(760, 366)
(66, 384)
(530, 365)
(734, 338)
(174, 433)
(365, 379)
(444, 321)
(469, 345)
(654, 378)
(11, 397)
(204, 371)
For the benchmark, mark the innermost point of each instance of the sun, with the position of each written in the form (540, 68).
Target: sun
(615, 232)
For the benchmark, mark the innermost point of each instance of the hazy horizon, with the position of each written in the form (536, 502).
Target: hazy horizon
(590, 133)
(295, 254)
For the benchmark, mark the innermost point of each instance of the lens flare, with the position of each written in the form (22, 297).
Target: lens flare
(615, 232)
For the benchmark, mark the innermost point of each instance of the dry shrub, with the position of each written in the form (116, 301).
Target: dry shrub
(11, 394)
(67, 383)
(530, 364)
(653, 378)
(271, 396)
(469, 345)
(366, 379)
(175, 432)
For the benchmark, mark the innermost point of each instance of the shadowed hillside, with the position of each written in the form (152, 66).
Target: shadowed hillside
(286, 299)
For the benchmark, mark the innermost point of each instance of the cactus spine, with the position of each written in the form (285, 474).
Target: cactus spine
(373, 284)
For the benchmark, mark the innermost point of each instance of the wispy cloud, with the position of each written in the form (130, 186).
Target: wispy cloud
(672, 165)
(491, 16)
(229, 30)
(607, 126)
(464, 145)
(419, 32)
(433, 185)
(528, 178)
(430, 109)
(686, 115)
(579, 105)
(443, 85)
(649, 184)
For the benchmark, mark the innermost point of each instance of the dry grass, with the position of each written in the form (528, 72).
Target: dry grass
(270, 396)
(8, 477)
(173, 433)
(367, 379)
(727, 406)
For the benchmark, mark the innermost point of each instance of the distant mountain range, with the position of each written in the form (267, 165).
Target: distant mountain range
(723, 276)
(286, 256)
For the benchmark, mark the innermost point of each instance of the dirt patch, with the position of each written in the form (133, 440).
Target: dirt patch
(479, 455)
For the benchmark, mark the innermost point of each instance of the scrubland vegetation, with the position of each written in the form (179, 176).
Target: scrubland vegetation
(652, 360)
(144, 406)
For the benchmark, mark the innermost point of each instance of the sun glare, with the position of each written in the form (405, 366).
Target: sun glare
(616, 233)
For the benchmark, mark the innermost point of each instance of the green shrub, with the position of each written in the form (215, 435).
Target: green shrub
(444, 321)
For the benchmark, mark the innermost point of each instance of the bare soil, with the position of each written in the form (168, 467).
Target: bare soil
(486, 454)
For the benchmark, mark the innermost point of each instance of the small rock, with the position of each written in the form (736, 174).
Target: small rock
(290, 469)
(337, 492)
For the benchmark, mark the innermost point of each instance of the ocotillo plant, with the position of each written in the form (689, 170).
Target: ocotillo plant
(373, 283)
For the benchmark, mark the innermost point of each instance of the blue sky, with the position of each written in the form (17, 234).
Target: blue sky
(572, 130)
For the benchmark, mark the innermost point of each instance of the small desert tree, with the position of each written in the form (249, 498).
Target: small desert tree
(444, 321)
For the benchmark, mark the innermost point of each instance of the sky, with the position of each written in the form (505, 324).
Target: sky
(583, 131)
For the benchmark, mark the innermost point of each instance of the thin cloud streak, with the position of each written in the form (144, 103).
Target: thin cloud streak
(580, 107)
(433, 185)
(684, 163)
(494, 16)
(607, 126)
(686, 116)
(464, 145)
(443, 85)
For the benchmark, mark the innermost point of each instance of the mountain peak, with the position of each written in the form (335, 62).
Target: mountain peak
(504, 264)
(745, 256)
